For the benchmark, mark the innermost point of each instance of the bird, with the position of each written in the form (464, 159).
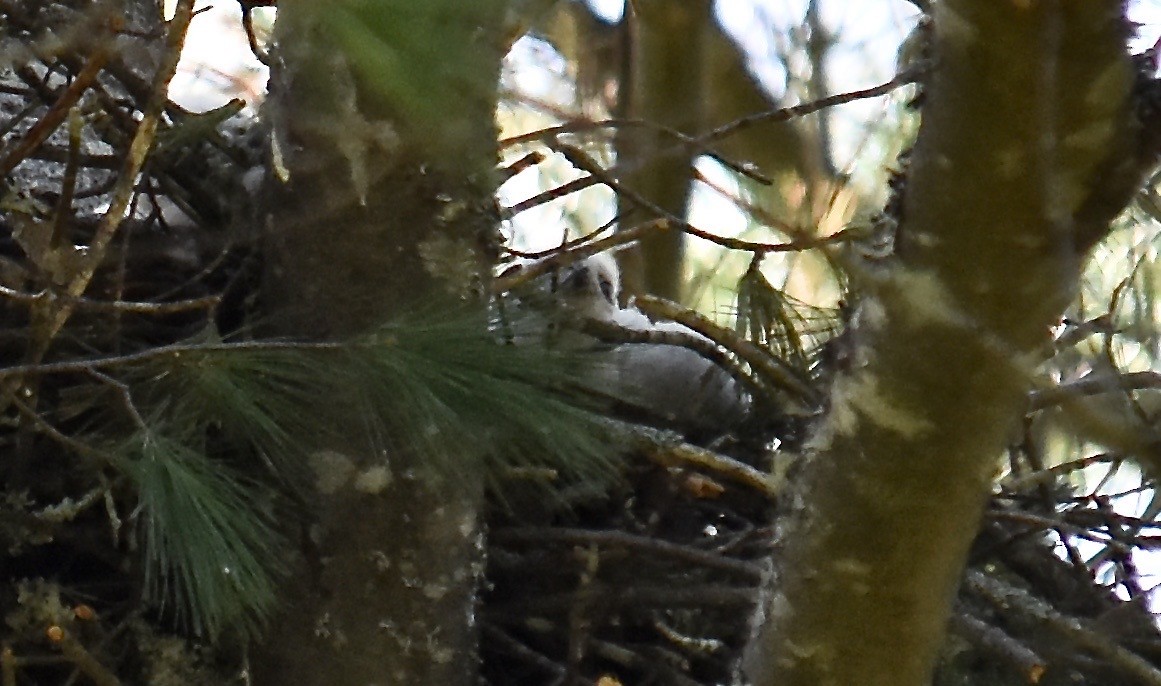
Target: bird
(672, 383)
(591, 287)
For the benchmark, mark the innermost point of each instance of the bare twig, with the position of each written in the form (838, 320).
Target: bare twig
(632, 659)
(701, 144)
(995, 643)
(56, 316)
(157, 308)
(68, 509)
(64, 204)
(59, 109)
(530, 160)
(1094, 384)
(1050, 523)
(574, 252)
(787, 113)
(574, 186)
(79, 447)
(648, 546)
(644, 596)
(85, 365)
(518, 649)
(761, 362)
(584, 162)
(248, 24)
(1075, 332)
(1012, 601)
(687, 141)
(123, 391)
(1050, 475)
(84, 660)
(668, 450)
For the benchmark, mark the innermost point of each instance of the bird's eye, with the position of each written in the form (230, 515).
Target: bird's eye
(607, 290)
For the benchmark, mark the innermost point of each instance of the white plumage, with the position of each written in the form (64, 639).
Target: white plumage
(591, 287)
(669, 382)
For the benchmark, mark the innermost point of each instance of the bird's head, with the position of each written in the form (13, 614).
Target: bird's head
(591, 286)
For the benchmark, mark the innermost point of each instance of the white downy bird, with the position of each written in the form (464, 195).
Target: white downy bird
(670, 382)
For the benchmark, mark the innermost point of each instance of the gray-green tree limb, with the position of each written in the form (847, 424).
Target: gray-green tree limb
(1030, 144)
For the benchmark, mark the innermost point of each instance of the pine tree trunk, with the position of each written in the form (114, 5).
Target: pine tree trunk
(381, 211)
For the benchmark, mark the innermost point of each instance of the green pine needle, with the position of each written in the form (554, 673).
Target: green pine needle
(446, 388)
(212, 556)
(440, 388)
(259, 398)
(772, 319)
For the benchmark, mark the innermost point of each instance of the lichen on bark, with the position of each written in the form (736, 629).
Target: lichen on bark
(1027, 108)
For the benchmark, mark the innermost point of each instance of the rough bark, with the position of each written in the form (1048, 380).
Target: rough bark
(1028, 121)
(383, 208)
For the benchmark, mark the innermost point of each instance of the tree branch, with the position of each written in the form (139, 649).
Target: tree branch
(1027, 106)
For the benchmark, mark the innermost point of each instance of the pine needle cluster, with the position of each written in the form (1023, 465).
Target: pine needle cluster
(229, 428)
